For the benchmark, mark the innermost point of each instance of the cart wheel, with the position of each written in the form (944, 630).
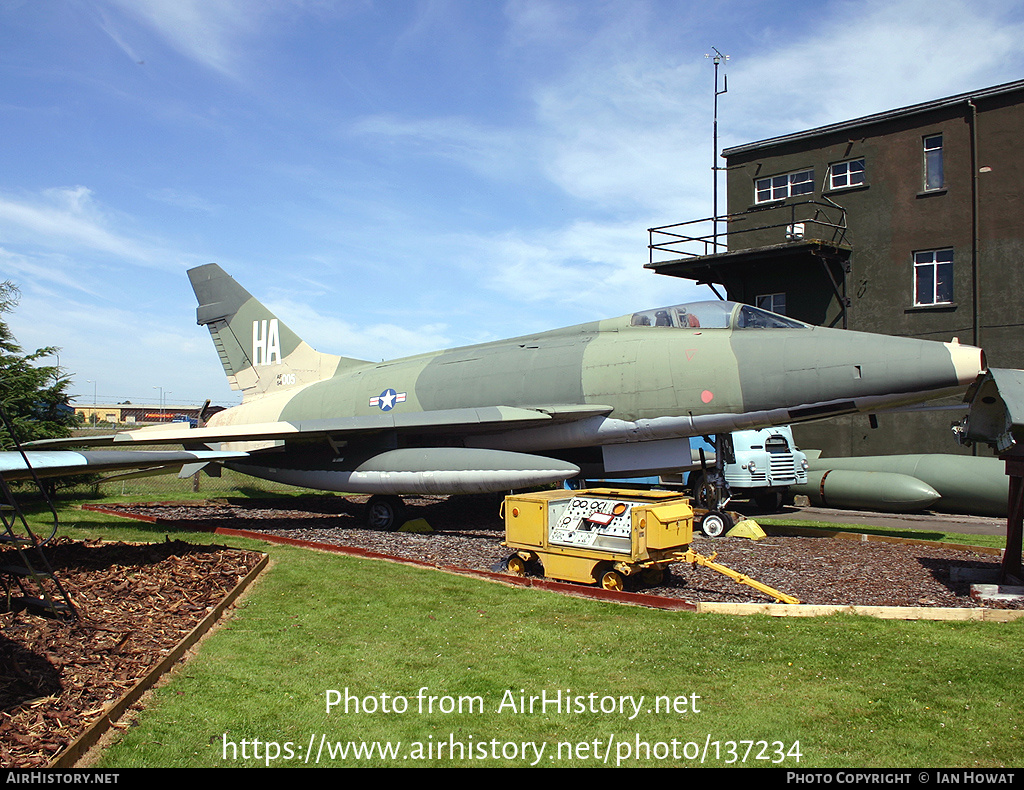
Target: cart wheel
(715, 524)
(652, 576)
(612, 580)
(516, 565)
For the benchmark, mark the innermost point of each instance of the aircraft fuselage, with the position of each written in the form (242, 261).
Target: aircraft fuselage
(656, 381)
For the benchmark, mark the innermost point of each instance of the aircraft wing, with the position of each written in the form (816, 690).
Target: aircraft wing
(63, 463)
(449, 421)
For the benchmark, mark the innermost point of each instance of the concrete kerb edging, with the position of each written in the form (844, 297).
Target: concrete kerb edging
(882, 612)
(672, 604)
(77, 748)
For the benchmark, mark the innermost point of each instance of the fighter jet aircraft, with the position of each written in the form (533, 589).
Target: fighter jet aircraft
(615, 397)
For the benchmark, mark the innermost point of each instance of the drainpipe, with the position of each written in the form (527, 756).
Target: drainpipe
(976, 324)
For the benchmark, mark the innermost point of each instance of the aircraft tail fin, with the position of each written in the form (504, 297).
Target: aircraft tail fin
(258, 351)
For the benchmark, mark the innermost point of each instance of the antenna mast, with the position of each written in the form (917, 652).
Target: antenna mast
(717, 58)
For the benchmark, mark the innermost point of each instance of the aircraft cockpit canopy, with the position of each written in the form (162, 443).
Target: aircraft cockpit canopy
(715, 315)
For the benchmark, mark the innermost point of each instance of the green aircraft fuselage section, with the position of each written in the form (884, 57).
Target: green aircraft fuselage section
(642, 372)
(819, 364)
(530, 370)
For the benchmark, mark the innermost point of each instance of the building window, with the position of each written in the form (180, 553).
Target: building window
(774, 303)
(781, 187)
(933, 162)
(843, 175)
(933, 277)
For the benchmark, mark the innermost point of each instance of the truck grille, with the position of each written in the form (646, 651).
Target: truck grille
(783, 469)
(782, 466)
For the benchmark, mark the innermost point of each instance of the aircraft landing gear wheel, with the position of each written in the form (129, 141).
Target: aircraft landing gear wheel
(516, 565)
(705, 492)
(612, 580)
(715, 524)
(385, 513)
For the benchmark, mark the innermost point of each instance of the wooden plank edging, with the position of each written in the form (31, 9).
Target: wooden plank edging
(77, 748)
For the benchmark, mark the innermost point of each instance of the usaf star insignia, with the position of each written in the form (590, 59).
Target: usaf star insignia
(387, 399)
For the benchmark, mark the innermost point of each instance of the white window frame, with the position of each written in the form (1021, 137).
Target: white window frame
(775, 188)
(848, 174)
(933, 289)
(932, 161)
(771, 302)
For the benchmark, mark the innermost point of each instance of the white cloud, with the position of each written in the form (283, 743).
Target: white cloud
(370, 341)
(627, 127)
(44, 271)
(64, 216)
(495, 153)
(622, 134)
(69, 220)
(534, 22)
(126, 348)
(186, 200)
(868, 57)
(210, 32)
(590, 270)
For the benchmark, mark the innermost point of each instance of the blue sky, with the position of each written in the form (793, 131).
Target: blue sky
(398, 176)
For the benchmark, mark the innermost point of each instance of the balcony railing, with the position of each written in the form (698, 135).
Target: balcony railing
(774, 224)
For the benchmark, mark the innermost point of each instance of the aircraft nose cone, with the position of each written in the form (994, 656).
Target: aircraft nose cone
(968, 361)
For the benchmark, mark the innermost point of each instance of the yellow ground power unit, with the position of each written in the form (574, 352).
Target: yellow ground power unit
(605, 535)
(599, 535)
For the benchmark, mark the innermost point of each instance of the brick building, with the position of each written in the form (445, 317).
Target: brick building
(907, 222)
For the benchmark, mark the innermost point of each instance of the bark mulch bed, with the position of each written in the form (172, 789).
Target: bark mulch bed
(468, 532)
(134, 603)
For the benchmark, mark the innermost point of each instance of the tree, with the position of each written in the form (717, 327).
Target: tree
(34, 397)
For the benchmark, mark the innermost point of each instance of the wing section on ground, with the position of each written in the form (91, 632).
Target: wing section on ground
(64, 463)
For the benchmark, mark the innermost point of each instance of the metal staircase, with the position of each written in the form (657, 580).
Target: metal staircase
(26, 576)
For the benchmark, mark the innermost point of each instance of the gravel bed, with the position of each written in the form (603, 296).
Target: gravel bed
(468, 532)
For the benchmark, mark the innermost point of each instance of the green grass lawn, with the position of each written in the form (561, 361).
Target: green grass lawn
(453, 660)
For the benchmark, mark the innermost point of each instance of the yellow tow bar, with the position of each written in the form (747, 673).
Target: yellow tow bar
(694, 558)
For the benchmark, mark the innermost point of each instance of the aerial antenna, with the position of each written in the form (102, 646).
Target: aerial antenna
(717, 58)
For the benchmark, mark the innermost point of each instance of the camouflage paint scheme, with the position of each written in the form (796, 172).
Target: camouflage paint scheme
(958, 483)
(614, 393)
